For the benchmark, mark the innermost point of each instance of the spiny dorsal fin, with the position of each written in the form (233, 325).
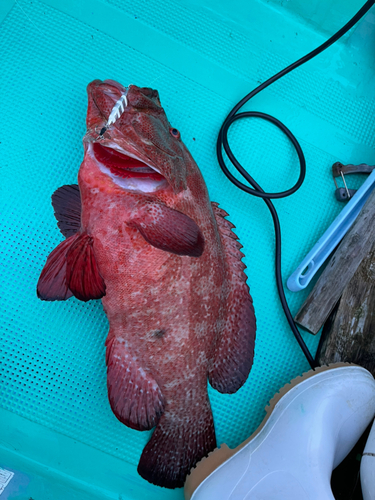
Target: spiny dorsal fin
(233, 354)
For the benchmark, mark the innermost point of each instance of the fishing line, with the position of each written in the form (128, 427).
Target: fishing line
(256, 190)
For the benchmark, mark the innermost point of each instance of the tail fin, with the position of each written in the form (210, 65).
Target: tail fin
(177, 444)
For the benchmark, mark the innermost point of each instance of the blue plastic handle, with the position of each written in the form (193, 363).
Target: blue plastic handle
(331, 238)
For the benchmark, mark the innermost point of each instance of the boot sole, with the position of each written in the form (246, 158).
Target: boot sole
(220, 455)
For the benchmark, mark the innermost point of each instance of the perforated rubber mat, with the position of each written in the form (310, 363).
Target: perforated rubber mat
(202, 58)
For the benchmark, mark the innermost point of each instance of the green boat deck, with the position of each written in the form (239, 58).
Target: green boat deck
(57, 431)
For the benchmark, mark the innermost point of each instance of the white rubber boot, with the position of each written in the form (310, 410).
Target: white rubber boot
(311, 426)
(368, 467)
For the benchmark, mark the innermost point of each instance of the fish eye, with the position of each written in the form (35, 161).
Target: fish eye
(174, 132)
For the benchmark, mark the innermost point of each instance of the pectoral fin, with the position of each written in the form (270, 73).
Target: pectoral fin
(168, 229)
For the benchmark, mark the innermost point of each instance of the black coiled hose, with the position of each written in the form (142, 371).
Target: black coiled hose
(256, 190)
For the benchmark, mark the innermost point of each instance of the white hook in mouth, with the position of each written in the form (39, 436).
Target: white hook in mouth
(118, 108)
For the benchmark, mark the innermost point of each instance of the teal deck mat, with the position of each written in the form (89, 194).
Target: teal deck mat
(56, 427)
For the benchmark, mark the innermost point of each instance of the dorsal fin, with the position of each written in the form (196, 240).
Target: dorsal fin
(66, 202)
(233, 354)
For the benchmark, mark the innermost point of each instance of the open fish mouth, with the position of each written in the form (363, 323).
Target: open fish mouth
(126, 171)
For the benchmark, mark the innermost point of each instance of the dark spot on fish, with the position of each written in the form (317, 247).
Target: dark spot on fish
(102, 131)
(159, 334)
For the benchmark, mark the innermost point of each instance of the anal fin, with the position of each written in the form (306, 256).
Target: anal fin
(134, 395)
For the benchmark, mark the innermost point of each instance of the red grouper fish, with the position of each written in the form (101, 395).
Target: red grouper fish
(142, 235)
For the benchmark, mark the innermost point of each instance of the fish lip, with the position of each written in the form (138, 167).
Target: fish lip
(111, 144)
(116, 147)
(113, 139)
(118, 180)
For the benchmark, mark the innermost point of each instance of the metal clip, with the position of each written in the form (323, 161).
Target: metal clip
(338, 170)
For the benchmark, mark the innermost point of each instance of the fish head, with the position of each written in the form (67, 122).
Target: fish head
(131, 139)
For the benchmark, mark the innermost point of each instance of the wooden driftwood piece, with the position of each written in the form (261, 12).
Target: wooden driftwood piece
(349, 335)
(354, 247)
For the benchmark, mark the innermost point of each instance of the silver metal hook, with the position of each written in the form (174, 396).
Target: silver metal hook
(346, 187)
